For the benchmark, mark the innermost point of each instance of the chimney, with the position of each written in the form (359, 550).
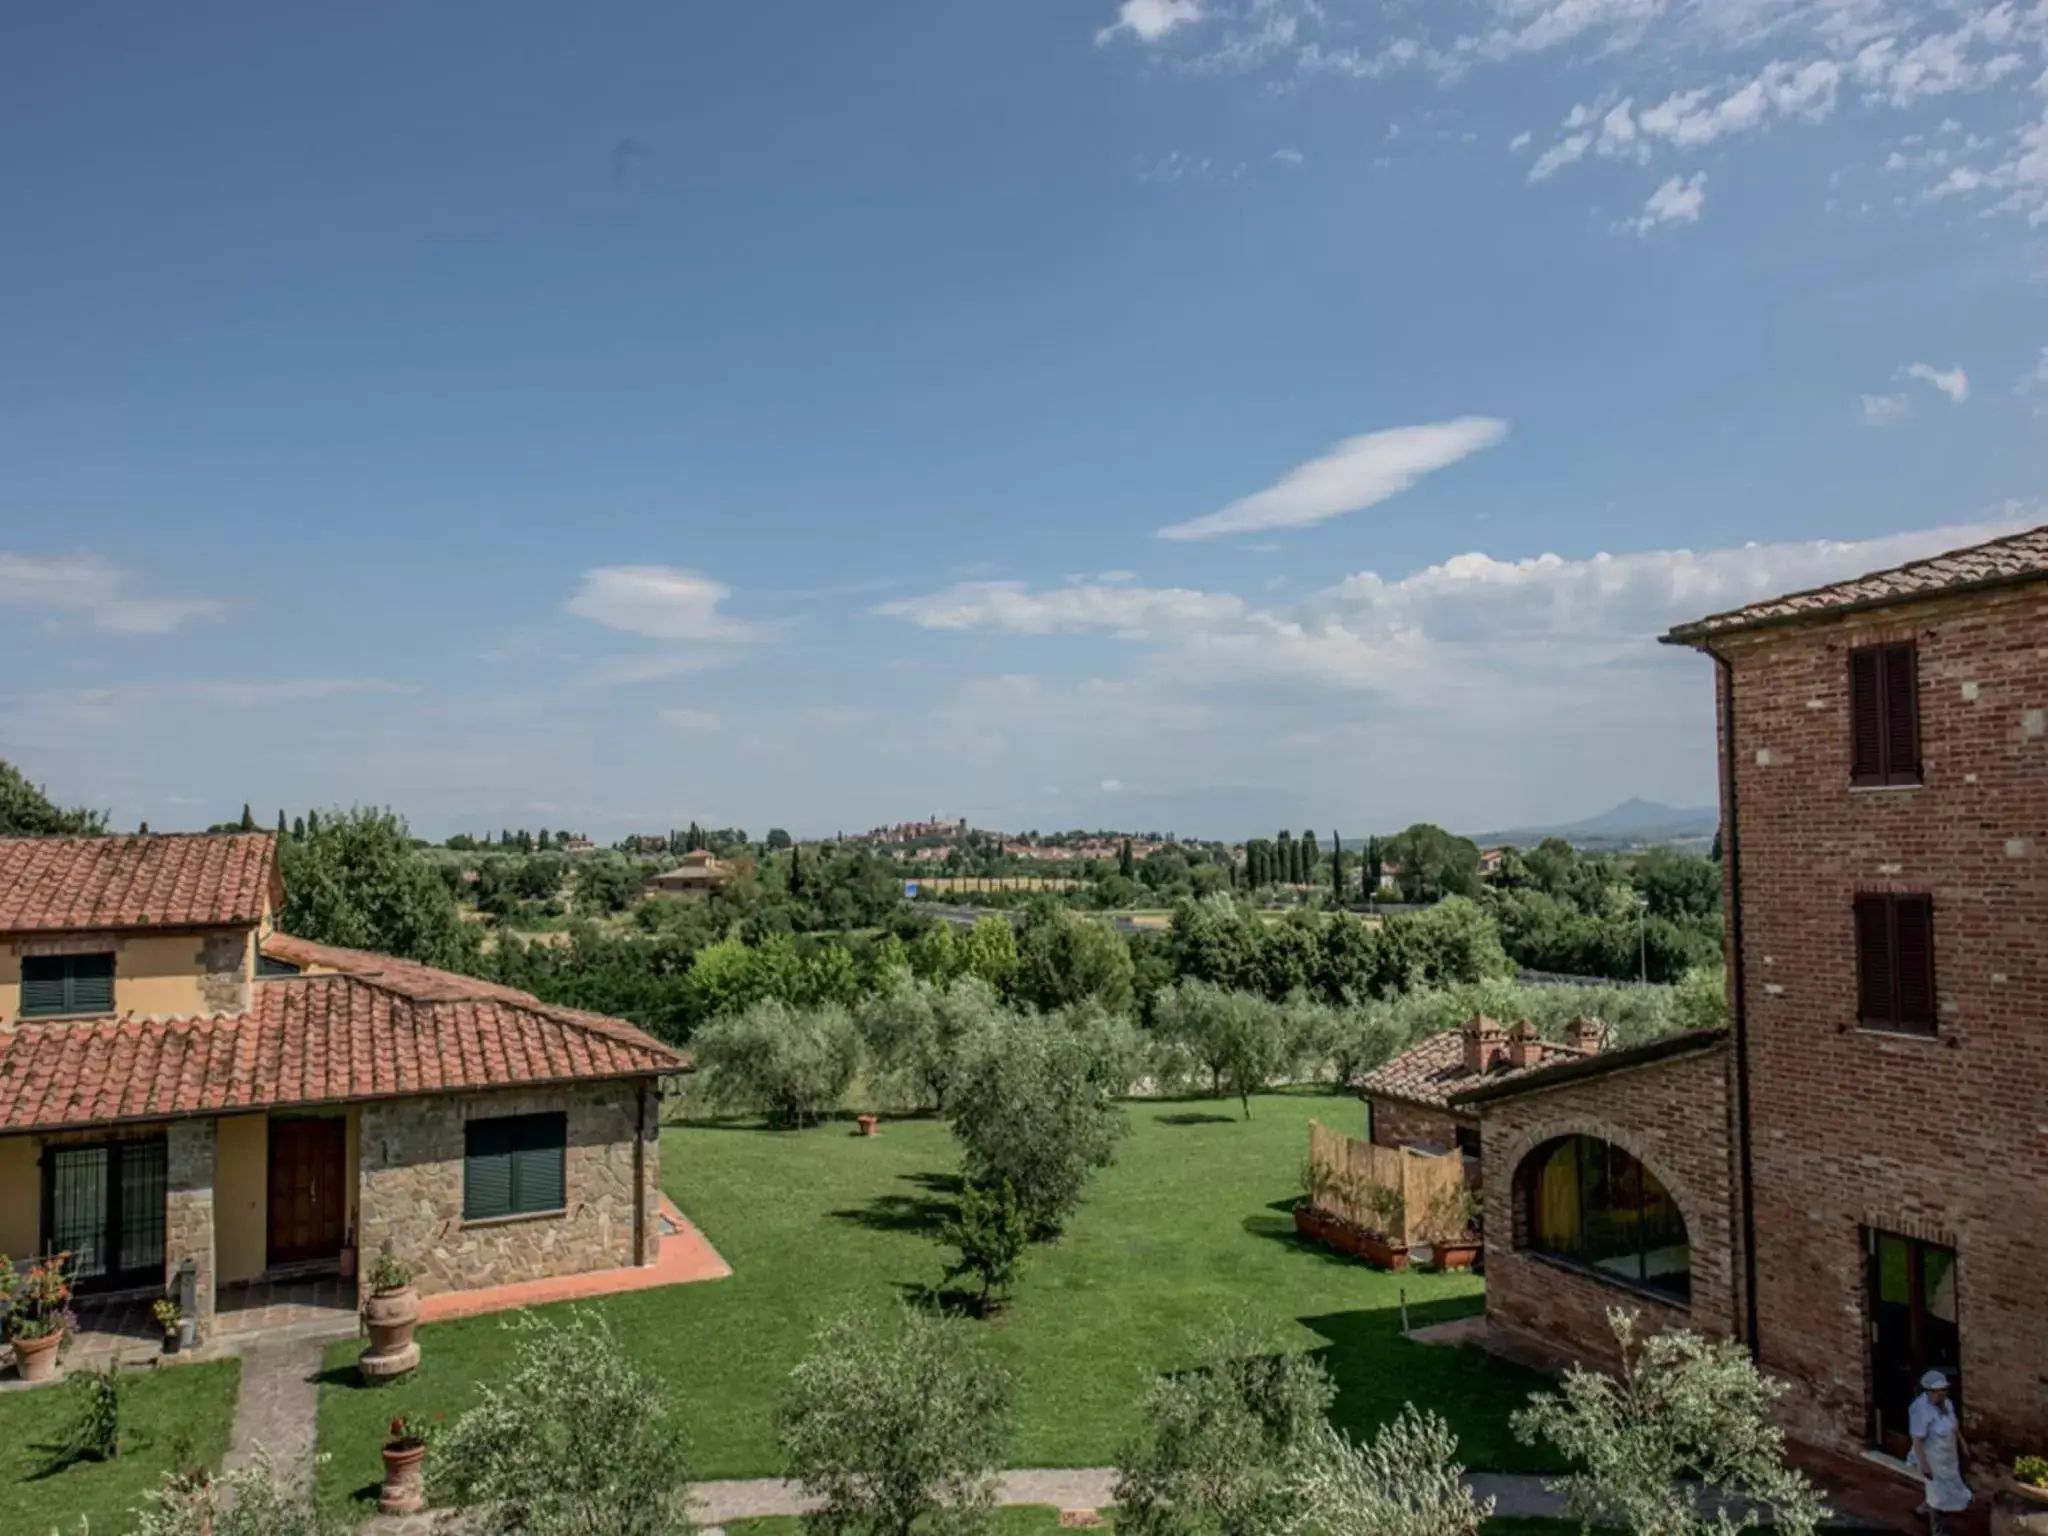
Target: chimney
(1525, 1046)
(1585, 1035)
(1482, 1044)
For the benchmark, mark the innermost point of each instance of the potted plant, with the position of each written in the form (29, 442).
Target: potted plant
(37, 1303)
(1451, 1225)
(390, 1314)
(404, 1490)
(1383, 1242)
(165, 1311)
(2030, 1478)
(867, 1123)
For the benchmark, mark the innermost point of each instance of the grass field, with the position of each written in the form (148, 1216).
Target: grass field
(174, 1417)
(1190, 1223)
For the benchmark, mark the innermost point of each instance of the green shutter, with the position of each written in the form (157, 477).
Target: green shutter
(487, 1170)
(92, 983)
(45, 985)
(537, 1166)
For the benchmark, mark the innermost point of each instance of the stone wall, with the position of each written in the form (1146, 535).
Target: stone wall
(224, 968)
(1939, 1136)
(188, 1212)
(409, 1198)
(1673, 1117)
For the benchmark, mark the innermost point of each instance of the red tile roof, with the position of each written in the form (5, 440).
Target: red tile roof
(61, 884)
(1997, 562)
(1431, 1072)
(313, 1040)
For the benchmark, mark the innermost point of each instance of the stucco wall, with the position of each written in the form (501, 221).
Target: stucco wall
(173, 974)
(241, 1196)
(410, 1188)
(21, 1202)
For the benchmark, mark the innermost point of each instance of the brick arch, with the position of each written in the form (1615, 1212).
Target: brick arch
(1528, 1141)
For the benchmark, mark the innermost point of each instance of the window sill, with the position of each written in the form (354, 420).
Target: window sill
(515, 1218)
(1593, 1272)
(1888, 1032)
(68, 1017)
(1880, 789)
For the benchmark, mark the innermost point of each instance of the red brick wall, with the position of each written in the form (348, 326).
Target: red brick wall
(1947, 1137)
(1673, 1117)
(1397, 1123)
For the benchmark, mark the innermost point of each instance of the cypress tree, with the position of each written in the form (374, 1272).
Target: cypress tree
(1308, 856)
(312, 823)
(282, 830)
(298, 829)
(1337, 865)
(248, 821)
(1285, 873)
(1126, 865)
(143, 830)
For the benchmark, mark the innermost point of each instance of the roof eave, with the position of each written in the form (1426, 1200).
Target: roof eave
(1699, 637)
(1668, 1047)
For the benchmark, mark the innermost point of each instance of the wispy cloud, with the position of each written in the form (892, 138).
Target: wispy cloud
(96, 592)
(1884, 410)
(659, 602)
(1012, 607)
(1676, 201)
(1952, 382)
(1150, 20)
(1359, 472)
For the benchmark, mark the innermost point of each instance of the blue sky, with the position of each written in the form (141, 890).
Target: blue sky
(1196, 414)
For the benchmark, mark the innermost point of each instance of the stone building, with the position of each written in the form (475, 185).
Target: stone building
(1858, 1172)
(190, 1098)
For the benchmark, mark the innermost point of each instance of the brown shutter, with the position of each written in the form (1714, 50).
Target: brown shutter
(1874, 995)
(1866, 716)
(1913, 961)
(1901, 714)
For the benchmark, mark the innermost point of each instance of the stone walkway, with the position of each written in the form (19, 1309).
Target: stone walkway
(278, 1407)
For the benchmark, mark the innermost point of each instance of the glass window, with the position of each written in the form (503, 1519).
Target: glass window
(513, 1166)
(1590, 1203)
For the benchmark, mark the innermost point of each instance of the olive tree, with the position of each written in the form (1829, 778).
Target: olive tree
(897, 1423)
(253, 1500)
(791, 1064)
(1237, 1038)
(914, 1031)
(573, 1440)
(1680, 1412)
(1405, 1482)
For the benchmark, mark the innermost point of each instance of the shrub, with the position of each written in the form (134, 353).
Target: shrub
(573, 1441)
(93, 1430)
(791, 1065)
(1031, 1109)
(1064, 957)
(2032, 1470)
(1118, 1055)
(896, 1424)
(914, 1033)
(389, 1274)
(991, 1234)
(252, 1501)
(1235, 1037)
(1407, 1482)
(1681, 1411)
(1213, 1455)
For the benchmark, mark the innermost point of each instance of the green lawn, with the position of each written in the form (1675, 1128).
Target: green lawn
(177, 1416)
(1190, 1222)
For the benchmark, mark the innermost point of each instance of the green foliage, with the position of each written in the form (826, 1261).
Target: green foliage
(92, 1432)
(1453, 941)
(1700, 1000)
(606, 885)
(1214, 1455)
(991, 1235)
(1681, 1411)
(897, 1424)
(1433, 863)
(2031, 1470)
(254, 1500)
(914, 1032)
(1034, 1108)
(356, 881)
(1064, 957)
(573, 1441)
(1405, 1482)
(791, 1064)
(25, 811)
(389, 1273)
(1237, 1038)
(988, 950)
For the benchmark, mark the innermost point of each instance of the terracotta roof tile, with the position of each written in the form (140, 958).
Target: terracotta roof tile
(306, 1040)
(1431, 1072)
(60, 884)
(1997, 562)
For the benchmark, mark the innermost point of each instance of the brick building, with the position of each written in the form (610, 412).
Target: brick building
(1880, 1105)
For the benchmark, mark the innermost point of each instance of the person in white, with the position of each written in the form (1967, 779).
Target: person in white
(1938, 1452)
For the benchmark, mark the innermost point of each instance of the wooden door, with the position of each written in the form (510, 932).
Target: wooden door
(1912, 1329)
(308, 1189)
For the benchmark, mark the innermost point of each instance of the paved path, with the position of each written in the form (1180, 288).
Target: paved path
(279, 1405)
(717, 1503)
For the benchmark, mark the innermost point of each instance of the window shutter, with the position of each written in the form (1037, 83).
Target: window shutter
(1913, 958)
(538, 1170)
(487, 1170)
(1866, 716)
(1901, 714)
(44, 988)
(92, 984)
(1875, 1002)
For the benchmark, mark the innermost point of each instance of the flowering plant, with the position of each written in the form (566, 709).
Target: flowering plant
(411, 1434)
(165, 1311)
(36, 1300)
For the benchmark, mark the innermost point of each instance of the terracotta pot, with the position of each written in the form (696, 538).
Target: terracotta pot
(36, 1359)
(390, 1317)
(1381, 1254)
(1461, 1254)
(404, 1492)
(2029, 1491)
(867, 1123)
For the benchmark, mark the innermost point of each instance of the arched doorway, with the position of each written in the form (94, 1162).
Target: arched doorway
(1589, 1203)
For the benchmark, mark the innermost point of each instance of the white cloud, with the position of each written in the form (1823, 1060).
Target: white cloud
(659, 602)
(91, 589)
(1520, 142)
(1011, 607)
(1677, 200)
(1150, 20)
(1952, 382)
(1884, 410)
(1289, 156)
(1357, 473)
(1568, 150)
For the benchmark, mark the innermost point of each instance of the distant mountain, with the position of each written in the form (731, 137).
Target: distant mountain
(1632, 821)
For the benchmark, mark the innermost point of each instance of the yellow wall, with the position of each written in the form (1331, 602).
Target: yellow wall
(21, 1196)
(153, 973)
(241, 1203)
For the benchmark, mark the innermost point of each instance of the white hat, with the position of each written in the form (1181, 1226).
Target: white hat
(1934, 1381)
